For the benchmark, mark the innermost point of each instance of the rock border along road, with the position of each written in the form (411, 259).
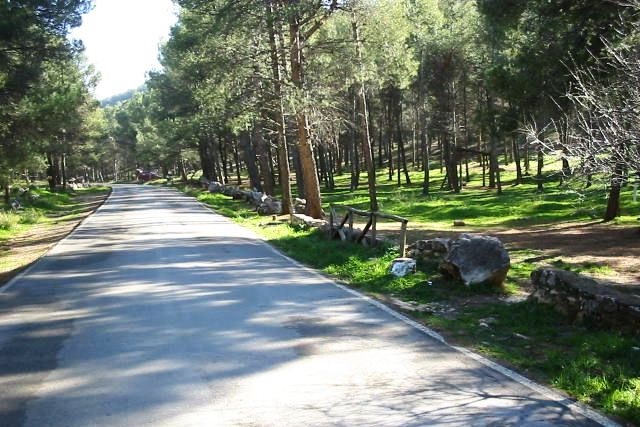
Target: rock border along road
(156, 311)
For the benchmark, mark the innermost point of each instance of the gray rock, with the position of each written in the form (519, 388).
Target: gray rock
(307, 221)
(216, 187)
(238, 194)
(401, 267)
(440, 245)
(270, 206)
(428, 249)
(204, 182)
(299, 205)
(476, 259)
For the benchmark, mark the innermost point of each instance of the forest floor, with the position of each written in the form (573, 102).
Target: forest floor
(605, 251)
(20, 251)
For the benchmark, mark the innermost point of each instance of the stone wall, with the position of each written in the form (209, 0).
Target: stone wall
(261, 202)
(583, 299)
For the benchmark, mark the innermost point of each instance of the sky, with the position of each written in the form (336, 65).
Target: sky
(121, 39)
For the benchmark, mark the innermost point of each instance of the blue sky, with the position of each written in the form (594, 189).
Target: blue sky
(122, 37)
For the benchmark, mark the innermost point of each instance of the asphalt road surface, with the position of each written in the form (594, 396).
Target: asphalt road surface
(158, 312)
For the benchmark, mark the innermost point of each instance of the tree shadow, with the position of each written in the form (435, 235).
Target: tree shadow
(137, 319)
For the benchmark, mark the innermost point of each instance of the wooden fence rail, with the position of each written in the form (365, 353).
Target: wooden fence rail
(338, 229)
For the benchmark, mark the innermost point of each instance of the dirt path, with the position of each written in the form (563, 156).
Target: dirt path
(20, 252)
(617, 247)
(614, 246)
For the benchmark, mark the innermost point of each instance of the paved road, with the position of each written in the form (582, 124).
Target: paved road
(157, 312)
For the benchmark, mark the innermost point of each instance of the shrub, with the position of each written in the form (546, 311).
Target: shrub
(8, 220)
(30, 216)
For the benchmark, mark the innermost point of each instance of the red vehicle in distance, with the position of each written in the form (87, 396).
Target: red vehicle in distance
(144, 176)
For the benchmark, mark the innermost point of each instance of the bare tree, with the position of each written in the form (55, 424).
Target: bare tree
(601, 131)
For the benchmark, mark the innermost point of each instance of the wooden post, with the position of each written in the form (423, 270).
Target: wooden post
(350, 224)
(374, 220)
(331, 229)
(403, 239)
(365, 230)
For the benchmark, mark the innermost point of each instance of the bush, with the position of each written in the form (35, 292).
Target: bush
(8, 220)
(30, 216)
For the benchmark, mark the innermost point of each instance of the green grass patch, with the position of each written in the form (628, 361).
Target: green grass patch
(518, 205)
(41, 206)
(30, 216)
(600, 368)
(597, 367)
(9, 220)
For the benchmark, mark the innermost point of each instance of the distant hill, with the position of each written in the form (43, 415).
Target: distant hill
(121, 97)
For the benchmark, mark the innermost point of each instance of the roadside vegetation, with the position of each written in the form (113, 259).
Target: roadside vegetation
(44, 217)
(600, 368)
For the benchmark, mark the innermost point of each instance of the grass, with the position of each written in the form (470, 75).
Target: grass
(519, 205)
(41, 208)
(600, 368)
(597, 367)
(41, 211)
(9, 221)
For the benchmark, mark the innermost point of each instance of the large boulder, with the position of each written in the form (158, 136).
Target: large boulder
(204, 182)
(270, 206)
(583, 299)
(216, 187)
(255, 198)
(476, 259)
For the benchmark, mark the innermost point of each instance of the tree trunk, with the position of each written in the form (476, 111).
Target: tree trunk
(278, 114)
(540, 166)
(7, 192)
(355, 161)
(389, 135)
(402, 154)
(441, 152)
(236, 158)
(183, 172)
(331, 160)
(451, 165)
(355, 155)
(63, 167)
(203, 164)
(426, 163)
(305, 150)
(380, 138)
(51, 172)
(212, 147)
(299, 180)
(263, 160)
(364, 123)
(223, 159)
(566, 169)
(613, 203)
(516, 158)
(338, 154)
(250, 161)
(494, 166)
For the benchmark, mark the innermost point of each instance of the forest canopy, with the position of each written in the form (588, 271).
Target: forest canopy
(287, 94)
